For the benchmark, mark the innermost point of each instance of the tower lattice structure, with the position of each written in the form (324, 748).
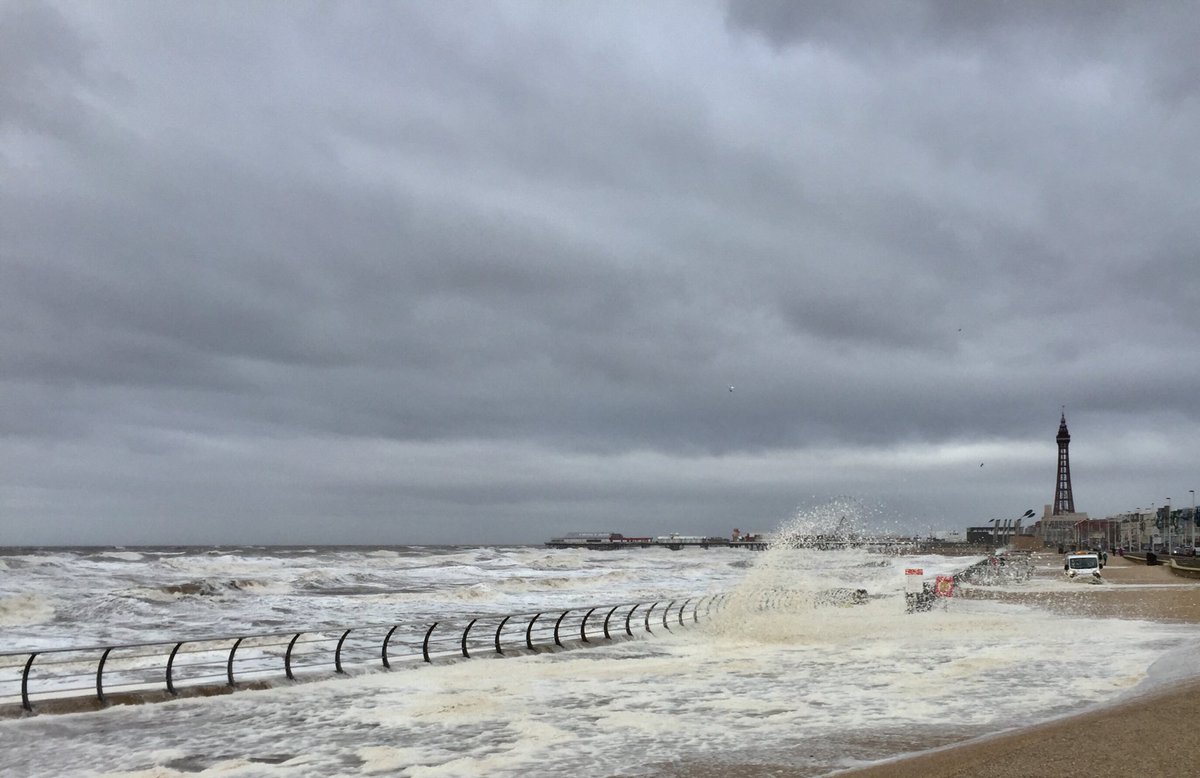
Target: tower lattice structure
(1064, 502)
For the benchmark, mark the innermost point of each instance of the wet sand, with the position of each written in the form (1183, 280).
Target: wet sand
(1152, 735)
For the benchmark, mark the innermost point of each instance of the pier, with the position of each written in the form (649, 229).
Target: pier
(610, 541)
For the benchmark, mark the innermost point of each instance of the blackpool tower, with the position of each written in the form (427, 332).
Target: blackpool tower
(1064, 502)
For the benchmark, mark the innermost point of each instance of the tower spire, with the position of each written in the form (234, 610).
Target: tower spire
(1064, 501)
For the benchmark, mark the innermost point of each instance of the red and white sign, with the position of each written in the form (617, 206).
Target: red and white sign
(914, 581)
(944, 586)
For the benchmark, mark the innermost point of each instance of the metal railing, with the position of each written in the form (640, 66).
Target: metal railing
(162, 669)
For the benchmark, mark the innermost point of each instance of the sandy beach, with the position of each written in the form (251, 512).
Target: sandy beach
(1127, 739)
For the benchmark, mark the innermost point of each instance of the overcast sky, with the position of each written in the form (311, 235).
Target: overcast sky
(484, 272)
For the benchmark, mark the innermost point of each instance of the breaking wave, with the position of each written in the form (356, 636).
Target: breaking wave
(202, 588)
(24, 610)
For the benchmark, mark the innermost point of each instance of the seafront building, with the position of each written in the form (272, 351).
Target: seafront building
(1154, 529)
(1136, 529)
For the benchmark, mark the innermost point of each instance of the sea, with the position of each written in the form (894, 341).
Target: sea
(803, 685)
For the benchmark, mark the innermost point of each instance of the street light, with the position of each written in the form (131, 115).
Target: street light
(1193, 492)
(1167, 526)
(1008, 530)
(1017, 525)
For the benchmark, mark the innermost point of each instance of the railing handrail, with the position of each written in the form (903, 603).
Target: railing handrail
(281, 633)
(164, 673)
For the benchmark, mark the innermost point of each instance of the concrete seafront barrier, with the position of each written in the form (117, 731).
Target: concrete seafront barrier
(1013, 567)
(93, 677)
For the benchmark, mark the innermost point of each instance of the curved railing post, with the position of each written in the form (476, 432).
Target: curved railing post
(337, 653)
(287, 657)
(529, 632)
(229, 663)
(170, 667)
(710, 603)
(100, 676)
(25, 683)
(583, 626)
(425, 644)
(502, 623)
(558, 642)
(648, 618)
(464, 638)
(606, 618)
(383, 653)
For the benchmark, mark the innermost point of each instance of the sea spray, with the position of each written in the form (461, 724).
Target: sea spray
(814, 581)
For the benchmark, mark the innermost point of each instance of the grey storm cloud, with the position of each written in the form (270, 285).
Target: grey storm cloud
(319, 272)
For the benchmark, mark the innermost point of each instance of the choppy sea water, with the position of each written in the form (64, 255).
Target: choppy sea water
(805, 686)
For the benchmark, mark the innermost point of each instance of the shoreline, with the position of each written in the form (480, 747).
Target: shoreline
(1128, 735)
(1145, 733)
(1133, 736)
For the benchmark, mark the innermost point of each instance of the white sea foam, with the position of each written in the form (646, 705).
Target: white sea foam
(781, 682)
(24, 609)
(125, 556)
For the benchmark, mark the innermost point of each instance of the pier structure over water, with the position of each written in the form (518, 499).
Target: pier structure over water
(674, 541)
(755, 541)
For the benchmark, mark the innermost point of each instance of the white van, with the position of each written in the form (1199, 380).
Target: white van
(1083, 566)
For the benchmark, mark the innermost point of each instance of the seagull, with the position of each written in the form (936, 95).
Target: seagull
(731, 388)
(981, 464)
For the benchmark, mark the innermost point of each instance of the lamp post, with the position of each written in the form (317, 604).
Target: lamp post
(1192, 492)
(1167, 526)
(1017, 524)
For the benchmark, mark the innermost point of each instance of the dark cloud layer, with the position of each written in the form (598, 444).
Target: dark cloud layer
(301, 272)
